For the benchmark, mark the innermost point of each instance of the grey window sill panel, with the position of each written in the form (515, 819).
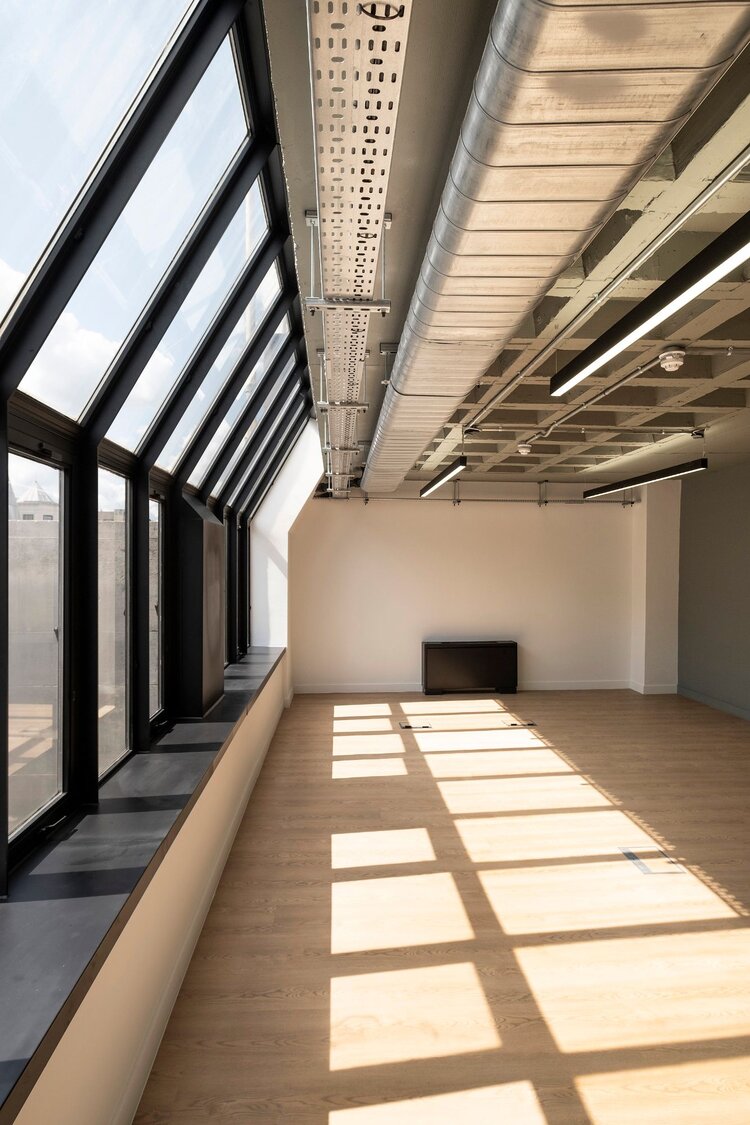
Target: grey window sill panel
(68, 902)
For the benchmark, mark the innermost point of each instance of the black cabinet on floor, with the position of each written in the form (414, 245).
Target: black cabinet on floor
(462, 666)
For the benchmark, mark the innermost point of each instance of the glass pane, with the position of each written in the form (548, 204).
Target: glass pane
(253, 381)
(35, 600)
(142, 243)
(70, 73)
(241, 335)
(236, 247)
(270, 446)
(255, 423)
(113, 619)
(155, 538)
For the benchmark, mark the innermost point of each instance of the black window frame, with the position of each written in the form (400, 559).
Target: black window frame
(32, 428)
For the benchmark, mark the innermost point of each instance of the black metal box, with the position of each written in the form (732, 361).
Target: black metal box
(463, 666)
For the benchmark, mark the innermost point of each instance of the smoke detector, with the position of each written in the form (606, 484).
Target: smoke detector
(524, 448)
(672, 359)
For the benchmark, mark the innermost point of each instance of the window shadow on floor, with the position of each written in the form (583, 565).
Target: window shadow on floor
(533, 911)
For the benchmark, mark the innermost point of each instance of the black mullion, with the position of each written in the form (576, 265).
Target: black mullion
(246, 362)
(139, 610)
(89, 222)
(174, 287)
(209, 348)
(231, 600)
(246, 416)
(171, 582)
(261, 484)
(266, 427)
(243, 577)
(254, 61)
(83, 624)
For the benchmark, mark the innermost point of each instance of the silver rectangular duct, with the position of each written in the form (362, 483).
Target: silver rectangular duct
(571, 104)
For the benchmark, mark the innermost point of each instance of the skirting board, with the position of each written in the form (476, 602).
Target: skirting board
(532, 685)
(653, 689)
(711, 701)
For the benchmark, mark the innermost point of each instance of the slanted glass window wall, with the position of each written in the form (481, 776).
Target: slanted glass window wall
(176, 308)
(242, 334)
(258, 415)
(267, 447)
(235, 249)
(252, 383)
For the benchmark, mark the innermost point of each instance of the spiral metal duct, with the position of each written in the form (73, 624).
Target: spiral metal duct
(572, 102)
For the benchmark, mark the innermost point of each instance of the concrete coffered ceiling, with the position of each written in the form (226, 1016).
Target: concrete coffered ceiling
(646, 423)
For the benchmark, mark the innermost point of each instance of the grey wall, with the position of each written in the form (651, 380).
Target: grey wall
(714, 645)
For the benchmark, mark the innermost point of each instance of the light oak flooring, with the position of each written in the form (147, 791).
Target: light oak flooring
(476, 923)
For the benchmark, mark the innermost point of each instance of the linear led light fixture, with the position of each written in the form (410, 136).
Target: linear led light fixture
(452, 471)
(696, 466)
(725, 254)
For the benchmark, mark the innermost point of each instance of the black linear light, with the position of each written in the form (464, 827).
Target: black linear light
(696, 466)
(725, 254)
(452, 471)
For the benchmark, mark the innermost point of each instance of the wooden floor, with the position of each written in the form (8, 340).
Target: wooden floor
(476, 923)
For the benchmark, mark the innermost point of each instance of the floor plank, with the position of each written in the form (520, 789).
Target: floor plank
(487, 920)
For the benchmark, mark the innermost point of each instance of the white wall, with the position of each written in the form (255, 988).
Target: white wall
(269, 543)
(369, 583)
(97, 1072)
(655, 589)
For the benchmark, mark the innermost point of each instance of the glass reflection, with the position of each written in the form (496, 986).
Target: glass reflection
(234, 250)
(70, 73)
(35, 642)
(142, 243)
(205, 396)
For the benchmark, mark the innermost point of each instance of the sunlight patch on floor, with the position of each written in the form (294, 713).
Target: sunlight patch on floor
(345, 745)
(592, 896)
(360, 710)
(710, 1092)
(511, 794)
(393, 913)
(451, 706)
(368, 767)
(495, 763)
(642, 991)
(536, 836)
(513, 1104)
(372, 849)
(392, 1017)
(497, 738)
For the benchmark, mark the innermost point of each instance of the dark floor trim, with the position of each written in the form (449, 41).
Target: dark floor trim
(712, 701)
